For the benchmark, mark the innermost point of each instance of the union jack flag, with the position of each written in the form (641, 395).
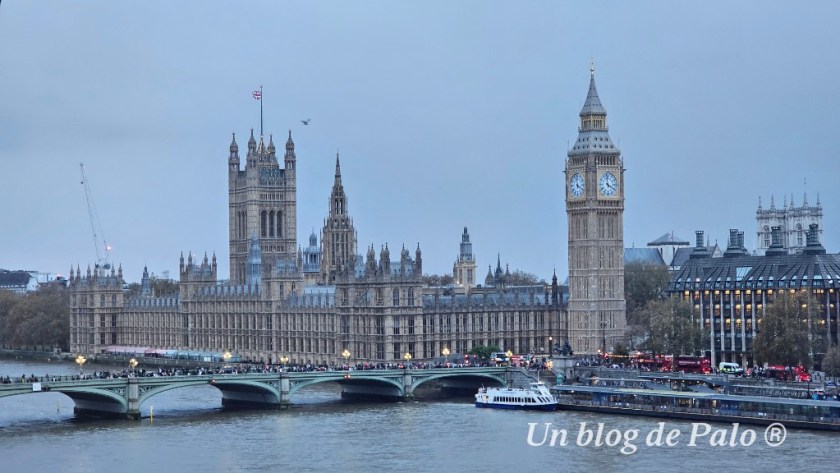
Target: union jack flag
(257, 94)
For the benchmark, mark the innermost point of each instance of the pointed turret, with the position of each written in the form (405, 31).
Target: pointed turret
(593, 135)
(146, 283)
(418, 260)
(370, 264)
(385, 260)
(290, 157)
(233, 159)
(592, 106)
(488, 280)
(272, 151)
(252, 144)
(338, 199)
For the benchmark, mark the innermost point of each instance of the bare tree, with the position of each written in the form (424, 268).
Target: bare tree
(40, 318)
(643, 284)
(675, 329)
(782, 337)
(437, 280)
(831, 361)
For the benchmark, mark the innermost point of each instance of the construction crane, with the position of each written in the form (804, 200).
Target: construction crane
(102, 262)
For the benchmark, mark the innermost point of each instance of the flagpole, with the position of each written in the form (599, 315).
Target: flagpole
(261, 112)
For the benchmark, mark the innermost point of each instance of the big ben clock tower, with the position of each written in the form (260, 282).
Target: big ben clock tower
(595, 213)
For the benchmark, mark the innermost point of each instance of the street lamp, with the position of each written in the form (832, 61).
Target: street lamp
(446, 354)
(509, 355)
(407, 358)
(81, 361)
(550, 345)
(132, 363)
(283, 360)
(226, 356)
(346, 355)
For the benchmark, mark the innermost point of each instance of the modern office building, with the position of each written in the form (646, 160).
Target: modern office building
(731, 294)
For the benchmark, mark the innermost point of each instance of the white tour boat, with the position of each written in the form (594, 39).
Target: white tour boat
(536, 397)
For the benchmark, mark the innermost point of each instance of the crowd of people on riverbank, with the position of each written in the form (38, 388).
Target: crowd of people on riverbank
(246, 368)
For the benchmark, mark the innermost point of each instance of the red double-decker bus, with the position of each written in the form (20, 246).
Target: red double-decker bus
(647, 362)
(688, 364)
(685, 364)
(788, 373)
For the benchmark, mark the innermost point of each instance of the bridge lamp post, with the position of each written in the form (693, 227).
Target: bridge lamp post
(346, 355)
(509, 355)
(550, 345)
(446, 354)
(407, 358)
(283, 360)
(81, 361)
(132, 363)
(226, 356)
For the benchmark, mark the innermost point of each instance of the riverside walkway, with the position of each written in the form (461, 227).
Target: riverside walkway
(122, 397)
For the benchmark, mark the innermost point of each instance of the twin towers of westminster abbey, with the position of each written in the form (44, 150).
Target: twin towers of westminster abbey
(327, 303)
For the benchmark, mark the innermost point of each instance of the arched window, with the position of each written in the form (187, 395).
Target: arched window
(262, 224)
(410, 296)
(271, 224)
(395, 297)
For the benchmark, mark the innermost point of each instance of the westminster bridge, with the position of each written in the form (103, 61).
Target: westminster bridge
(122, 397)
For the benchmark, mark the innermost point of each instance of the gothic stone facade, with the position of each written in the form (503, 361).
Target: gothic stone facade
(793, 223)
(373, 307)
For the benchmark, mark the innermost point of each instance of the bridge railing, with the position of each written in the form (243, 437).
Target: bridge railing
(76, 380)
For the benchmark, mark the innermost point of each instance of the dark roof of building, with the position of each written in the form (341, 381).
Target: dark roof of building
(684, 254)
(669, 239)
(643, 256)
(519, 295)
(14, 278)
(758, 272)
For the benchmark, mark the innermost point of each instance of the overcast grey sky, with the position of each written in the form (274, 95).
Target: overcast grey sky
(446, 114)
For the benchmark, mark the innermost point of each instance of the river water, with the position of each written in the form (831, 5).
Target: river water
(189, 432)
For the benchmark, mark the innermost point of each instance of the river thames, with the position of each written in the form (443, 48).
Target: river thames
(188, 432)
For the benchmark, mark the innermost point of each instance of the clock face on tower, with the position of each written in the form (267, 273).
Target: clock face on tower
(576, 185)
(607, 184)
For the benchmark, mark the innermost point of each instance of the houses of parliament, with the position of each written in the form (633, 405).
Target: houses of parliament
(319, 303)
